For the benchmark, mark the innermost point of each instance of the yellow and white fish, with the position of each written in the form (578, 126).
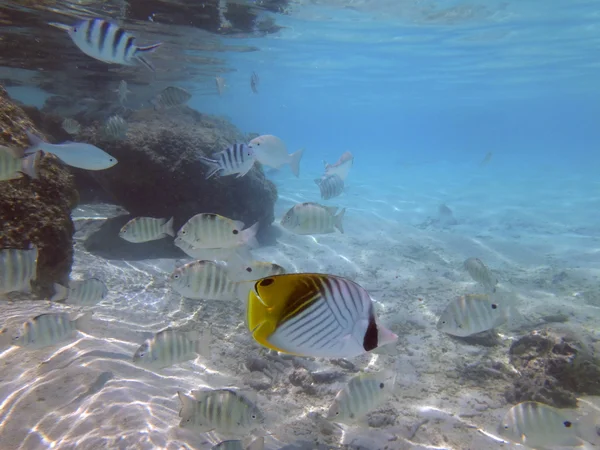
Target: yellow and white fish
(207, 230)
(271, 151)
(14, 165)
(86, 292)
(49, 329)
(222, 410)
(480, 273)
(540, 426)
(17, 269)
(169, 347)
(475, 313)
(312, 218)
(205, 280)
(145, 229)
(362, 394)
(319, 315)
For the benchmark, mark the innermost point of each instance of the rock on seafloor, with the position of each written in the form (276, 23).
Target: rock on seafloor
(159, 173)
(36, 211)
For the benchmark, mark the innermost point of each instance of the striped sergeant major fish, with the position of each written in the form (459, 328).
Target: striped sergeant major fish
(109, 43)
(208, 230)
(318, 315)
(17, 269)
(237, 159)
(330, 186)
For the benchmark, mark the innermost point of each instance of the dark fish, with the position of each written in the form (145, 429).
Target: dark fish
(330, 186)
(109, 43)
(485, 161)
(254, 80)
(237, 159)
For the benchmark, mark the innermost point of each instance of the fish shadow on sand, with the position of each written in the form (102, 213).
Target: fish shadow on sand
(106, 243)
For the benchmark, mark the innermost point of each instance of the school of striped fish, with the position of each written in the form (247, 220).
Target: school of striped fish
(315, 315)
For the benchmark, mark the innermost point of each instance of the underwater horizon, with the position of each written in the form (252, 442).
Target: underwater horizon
(299, 225)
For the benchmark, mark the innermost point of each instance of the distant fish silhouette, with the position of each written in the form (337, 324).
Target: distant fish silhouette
(220, 82)
(254, 80)
(445, 215)
(487, 158)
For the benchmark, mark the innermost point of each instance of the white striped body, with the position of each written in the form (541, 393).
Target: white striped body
(480, 273)
(472, 313)
(86, 292)
(330, 186)
(13, 165)
(314, 315)
(237, 159)
(212, 231)
(312, 218)
(210, 254)
(223, 410)
(115, 128)
(45, 330)
(203, 280)
(17, 269)
(362, 394)
(170, 97)
(144, 229)
(104, 41)
(167, 348)
(536, 425)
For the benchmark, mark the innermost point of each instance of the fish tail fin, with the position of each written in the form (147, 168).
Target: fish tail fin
(249, 236)
(338, 221)
(295, 162)
(203, 343)
(140, 53)
(35, 141)
(187, 406)
(237, 267)
(213, 166)
(83, 322)
(168, 227)
(60, 293)
(30, 165)
(242, 289)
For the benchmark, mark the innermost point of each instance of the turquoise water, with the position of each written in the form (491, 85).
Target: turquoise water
(419, 92)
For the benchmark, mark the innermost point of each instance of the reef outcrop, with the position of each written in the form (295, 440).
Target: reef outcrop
(37, 211)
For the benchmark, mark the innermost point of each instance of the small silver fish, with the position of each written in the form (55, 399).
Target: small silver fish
(71, 126)
(49, 329)
(169, 347)
(254, 81)
(312, 218)
(75, 154)
(115, 128)
(257, 444)
(145, 229)
(206, 280)
(86, 292)
(223, 410)
(14, 165)
(220, 81)
(122, 92)
(207, 230)
(237, 159)
(17, 269)
(362, 394)
(330, 186)
(480, 273)
(109, 43)
(475, 313)
(536, 425)
(170, 97)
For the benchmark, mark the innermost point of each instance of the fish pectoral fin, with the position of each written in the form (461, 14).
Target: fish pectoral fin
(262, 332)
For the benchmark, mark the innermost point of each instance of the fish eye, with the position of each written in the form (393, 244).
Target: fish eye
(111, 160)
(254, 416)
(267, 282)
(176, 277)
(248, 269)
(381, 385)
(183, 232)
(74, 29)
(494, 306)
(235, 231)
(567, 424)
(337, 413)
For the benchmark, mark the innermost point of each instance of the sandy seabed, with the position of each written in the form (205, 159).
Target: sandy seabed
(542, 242)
